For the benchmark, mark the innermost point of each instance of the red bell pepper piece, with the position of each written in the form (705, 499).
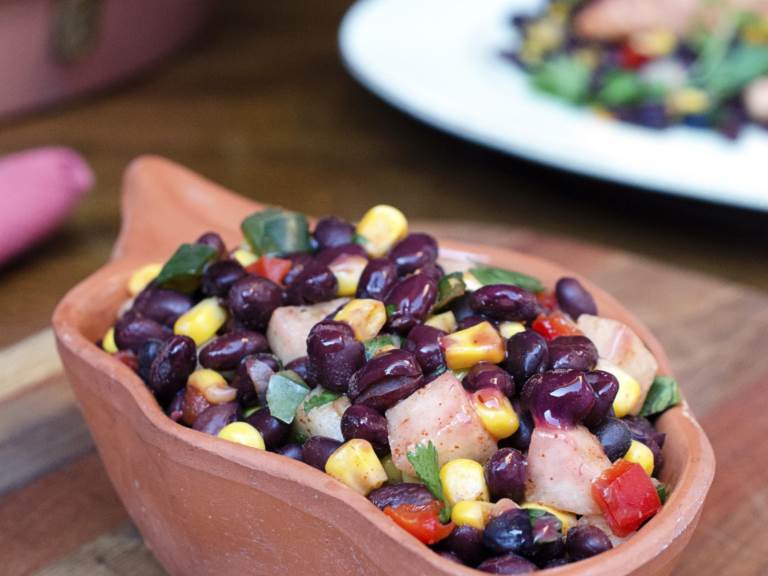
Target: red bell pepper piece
(555, 324)
(630, 59)
(548, 300)
(423, 521)
(626, 496)
(271, 268)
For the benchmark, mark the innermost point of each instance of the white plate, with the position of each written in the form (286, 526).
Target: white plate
(439, 61)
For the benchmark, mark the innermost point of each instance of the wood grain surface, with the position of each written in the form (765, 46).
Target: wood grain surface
(263, 105)
(59, 514)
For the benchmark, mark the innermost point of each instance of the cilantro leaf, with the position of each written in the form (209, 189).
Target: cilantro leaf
(493, 275)
(321, 399)
(373, 345)
(664, 393)
(661, 490)
(184, 269)
(423, 458)
(450, 287)
(285, 392)
(277, 232)
(565, 77)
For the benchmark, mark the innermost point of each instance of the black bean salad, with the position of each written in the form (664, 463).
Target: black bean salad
(655, 63)
(505, 425)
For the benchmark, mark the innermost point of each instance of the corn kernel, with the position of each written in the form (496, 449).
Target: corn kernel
(478, 343)
(688, 101)
(566, 518)
(244, 257)
(242, 433)
(381, 227)
(108, 342)
(471, 513)
(471, 282)
(508, 329)
(495, 412)
(463, 479)
(347, 269)
(365, 316)
(355, 464)
(629, 392)
(394, 474)
(653, 43)
(639, 453)
(212, 386)
(445, 321)
(202, 321)
(143, 276)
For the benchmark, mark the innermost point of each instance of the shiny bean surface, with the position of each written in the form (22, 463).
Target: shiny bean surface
(510, 531)
(315, 283)
(161, 305)
(146, 355)
(173, 364)
(573, 298)
(226, 351)
(605, 386)
(424, 343)
(521, 439)
(410, 301)
(504, 302)
(291, 451)
(213, 240)
(574, 352)
(386, 379)
(558, 398)
(273, 431)
(334, 355)
(506, 473)
(215, 417)
(487, 375)
(413, 252)
(377, 279)
(219, 277)
(333, 231)
(252, 299)
(396, 494)
(527, 354)
(363, 422)
(548, 542)
(317, 450)
(615, 438)
(132, 330)
(586, 541)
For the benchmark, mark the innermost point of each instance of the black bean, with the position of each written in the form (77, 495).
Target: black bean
(213, 240)
(133, 329)
(386, 379)
(219, 277)
(410, 301)
(363, 422)
(274, 431)
(413, 252)
(226, 352)
(252, 299)
(315, 283)
(573, 298)
(424, 343)
(252, 378)
(507, 564)
(615, 438)
(292, 451)
(215, 417)
(333, 231)
(576, 352)
(504, 302)
(396, 494)
(317, 450)
(487, 375)
(161, 305)
(586, 541)
(506, 473)
(527, 354)
(377, 279)
(175, 361)
(466, 543)
(606, 386)
(510, 531)
(334, 355)
(146, 356)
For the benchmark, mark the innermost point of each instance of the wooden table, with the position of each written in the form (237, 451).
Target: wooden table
(263, 106)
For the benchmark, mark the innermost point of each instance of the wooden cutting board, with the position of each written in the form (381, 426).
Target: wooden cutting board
(60, 516)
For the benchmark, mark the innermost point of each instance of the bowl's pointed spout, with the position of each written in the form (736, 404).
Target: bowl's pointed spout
(164, 204)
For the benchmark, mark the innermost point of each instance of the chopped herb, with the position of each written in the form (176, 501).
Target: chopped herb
(661, 490)
(740, 67)
(621, 89)
(321, 399)
(285, 392)
(450, 287)
(359, 239)
(536, 513)
(298, 437)
(493, 275)
(277, 232)
(185, 268)
(250, 411)
(459, 374)
(373, 345)
(564, 76)
(391, 310)
(423, 458)
(664, 393)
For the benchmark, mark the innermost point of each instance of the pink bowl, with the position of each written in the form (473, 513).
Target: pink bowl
(55, 49)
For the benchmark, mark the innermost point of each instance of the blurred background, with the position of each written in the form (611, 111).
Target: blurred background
(261, 103)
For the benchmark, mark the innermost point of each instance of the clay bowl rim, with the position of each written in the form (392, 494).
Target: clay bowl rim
(680, 511)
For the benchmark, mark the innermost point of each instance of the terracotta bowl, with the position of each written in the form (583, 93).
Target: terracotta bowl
(210, 507)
